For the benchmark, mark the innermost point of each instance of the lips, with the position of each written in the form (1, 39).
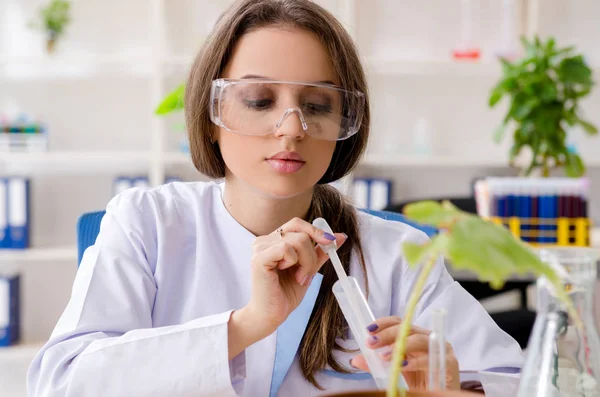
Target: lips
(286, 162)
(291, 156)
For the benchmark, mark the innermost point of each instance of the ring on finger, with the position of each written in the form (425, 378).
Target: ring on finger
(280, 233)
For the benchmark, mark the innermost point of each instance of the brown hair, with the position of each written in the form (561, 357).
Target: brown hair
(327, 322)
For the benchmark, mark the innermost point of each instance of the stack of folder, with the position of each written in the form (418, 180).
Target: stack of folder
(9, 308)
(371, 193)
(540, 211)
(14, 213)
(14, 234)
(123, 183)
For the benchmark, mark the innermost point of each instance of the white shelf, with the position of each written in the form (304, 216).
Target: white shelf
(401, 160)
(74, 162)
(441, 67)
(75, 66)
(407, 160)
(53, 254)
(432, 67)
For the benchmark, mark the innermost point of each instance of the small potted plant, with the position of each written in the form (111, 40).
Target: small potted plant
(545, 88)
(53, 20)
(469, 242)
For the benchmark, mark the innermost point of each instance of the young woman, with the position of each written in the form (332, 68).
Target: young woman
(217, 289)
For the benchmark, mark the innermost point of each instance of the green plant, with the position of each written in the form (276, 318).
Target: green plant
(544, 88)
(172, 102)
(55, 17)
(471, 243)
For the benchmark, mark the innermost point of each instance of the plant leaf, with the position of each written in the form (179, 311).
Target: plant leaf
(432, 213)
(417, 254)
(172, 102)
(574, 70)
(475, 244)
(496, 96)
(499, 132)
(588, 127)
(574, 167)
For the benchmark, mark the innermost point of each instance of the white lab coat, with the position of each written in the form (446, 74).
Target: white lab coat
(151, 301)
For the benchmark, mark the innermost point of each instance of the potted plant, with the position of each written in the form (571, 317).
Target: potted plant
(472, 243)
(54, 18)
(545, 87)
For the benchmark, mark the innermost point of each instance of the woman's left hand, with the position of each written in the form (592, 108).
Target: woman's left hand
(415, 371)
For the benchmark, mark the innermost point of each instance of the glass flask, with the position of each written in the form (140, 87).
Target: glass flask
(563, 360)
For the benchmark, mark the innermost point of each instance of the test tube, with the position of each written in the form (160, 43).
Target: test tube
(437, 352)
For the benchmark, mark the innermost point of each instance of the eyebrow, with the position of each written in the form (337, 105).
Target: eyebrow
(255, 76)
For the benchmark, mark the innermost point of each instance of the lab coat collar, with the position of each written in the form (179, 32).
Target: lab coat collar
(290, 333)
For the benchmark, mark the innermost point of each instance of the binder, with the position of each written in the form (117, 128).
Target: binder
(172, 179)
(141, 182)
(9, 309)
(121, 184)
(4, 236)
(18, 212)
(380, 193)
(360, 192)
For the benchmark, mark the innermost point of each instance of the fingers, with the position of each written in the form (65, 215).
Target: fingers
(301, 237)
(383, 323)
(279, 254)
(359, 362)
(310, 259)
(322, 257)
(307, 256)
(421, 363)
(300, 225)
(384, 332)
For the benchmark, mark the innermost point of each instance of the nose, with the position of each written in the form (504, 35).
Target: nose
(294, 128)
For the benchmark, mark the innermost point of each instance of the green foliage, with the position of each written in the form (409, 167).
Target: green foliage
(172, 102)
(544, 88)
(471, 243)
(55, 17)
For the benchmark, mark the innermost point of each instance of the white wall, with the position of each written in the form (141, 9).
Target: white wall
(112, 109)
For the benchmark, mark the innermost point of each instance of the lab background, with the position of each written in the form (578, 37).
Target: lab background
(91, 95)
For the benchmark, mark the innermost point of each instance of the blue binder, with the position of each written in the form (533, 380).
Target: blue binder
(141, 182)
(18, 212)
(121, 184)
(9, 309)
(4, 235)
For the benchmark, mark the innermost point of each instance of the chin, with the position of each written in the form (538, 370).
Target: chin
(283, 189)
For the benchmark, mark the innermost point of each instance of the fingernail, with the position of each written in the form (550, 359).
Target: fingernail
(404, 363)
(350, 362)
(345, 236)
(328, 236)
(304, 280)
(387, 354)
(373, 339)
(372, 327)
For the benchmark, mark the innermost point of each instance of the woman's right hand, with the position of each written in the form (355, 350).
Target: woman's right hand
(283, 265)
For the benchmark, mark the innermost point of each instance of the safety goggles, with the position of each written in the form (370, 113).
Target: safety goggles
(260, 107)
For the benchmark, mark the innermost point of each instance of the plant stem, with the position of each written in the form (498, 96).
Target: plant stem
(400, 345)
(546, 169)
(533, 164)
